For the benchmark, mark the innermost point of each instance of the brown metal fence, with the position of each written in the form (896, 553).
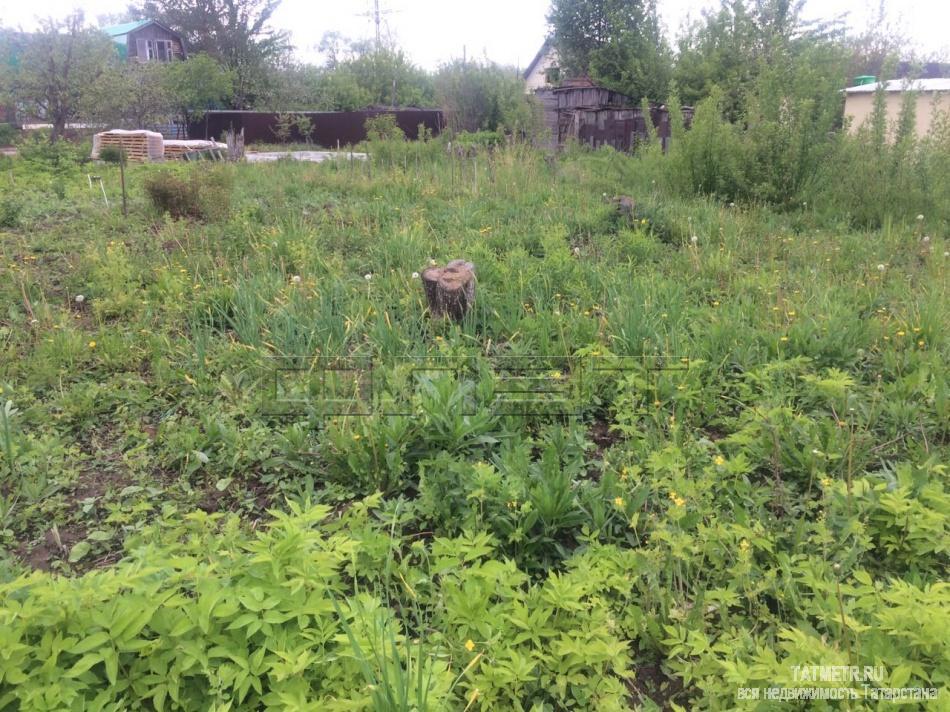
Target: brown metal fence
(330, 128)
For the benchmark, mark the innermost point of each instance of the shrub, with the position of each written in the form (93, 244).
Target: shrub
(204, 195)
(486, 97)
(384, 128)
(707, 159)
(884, 169)
(7, 133)
(10, 212)
(110, 154)
(290, 126)
(480, 139)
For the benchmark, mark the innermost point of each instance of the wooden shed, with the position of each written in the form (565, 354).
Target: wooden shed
(595, 116)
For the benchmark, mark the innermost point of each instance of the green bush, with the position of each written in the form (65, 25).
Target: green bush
(199, 194)
(110, 154)
(884, 170)
(708, 160)
(7, 134)
(384, 128)
(10, 211)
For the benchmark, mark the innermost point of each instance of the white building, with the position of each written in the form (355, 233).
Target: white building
(544, 70)
(932, 99)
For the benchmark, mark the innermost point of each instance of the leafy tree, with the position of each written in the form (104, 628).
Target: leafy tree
(720, 50)
(235, 32)
(127, 95)
(197, 85)
(484, 96)
(877, 44)
(619, 43)
(356, 78)
(731, 46)
(385, 76)
(56, 67)
(333, 46)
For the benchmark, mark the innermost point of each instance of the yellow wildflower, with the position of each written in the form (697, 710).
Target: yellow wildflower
(720, 460)
(679, 501)
(357, 436)
(92, 344)
(744, 544)
(618, 502)
(469, 645)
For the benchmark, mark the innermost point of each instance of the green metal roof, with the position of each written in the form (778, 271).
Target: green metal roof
(116, 31)
(120, 34)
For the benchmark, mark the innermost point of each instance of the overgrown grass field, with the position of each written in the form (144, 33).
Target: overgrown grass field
(732, 459)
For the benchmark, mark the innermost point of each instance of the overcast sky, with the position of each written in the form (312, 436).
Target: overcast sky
(506, 31)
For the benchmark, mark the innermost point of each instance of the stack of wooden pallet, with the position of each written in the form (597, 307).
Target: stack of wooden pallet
(178, 149)
(137, 145)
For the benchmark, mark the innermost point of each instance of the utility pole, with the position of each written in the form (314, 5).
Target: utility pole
(377, 14)
(377, 18)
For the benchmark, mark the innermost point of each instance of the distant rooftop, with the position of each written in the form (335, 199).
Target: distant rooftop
(924, 85)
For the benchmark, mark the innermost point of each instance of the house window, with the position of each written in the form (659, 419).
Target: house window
(552, 75)
(154, 50)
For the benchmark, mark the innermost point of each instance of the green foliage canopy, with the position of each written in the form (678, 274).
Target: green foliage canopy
(619, 43)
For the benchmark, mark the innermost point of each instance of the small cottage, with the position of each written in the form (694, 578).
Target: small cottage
(146, 41)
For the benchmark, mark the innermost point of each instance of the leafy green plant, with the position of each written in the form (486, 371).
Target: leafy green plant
(202, 196)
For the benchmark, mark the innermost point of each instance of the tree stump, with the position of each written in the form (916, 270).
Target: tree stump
(450, 290)
(625, 207)
(235, 144)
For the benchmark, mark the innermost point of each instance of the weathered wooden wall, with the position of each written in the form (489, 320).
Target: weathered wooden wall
(595, 117)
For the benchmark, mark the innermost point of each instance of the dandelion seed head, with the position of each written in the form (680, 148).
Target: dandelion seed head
(80, 299)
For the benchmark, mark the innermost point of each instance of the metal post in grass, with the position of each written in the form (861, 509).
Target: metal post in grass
(125, 206)
(449, 290)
